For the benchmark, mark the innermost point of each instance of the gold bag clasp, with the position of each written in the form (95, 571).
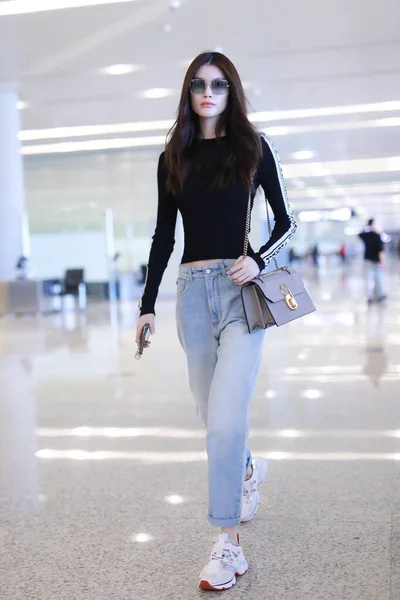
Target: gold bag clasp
(289, 298)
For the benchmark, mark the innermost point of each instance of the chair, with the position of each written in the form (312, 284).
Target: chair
(74, 285)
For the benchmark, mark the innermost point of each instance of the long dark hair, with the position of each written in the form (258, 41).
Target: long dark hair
(243, 141)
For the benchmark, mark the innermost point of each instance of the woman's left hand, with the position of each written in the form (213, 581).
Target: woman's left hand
(244, 270)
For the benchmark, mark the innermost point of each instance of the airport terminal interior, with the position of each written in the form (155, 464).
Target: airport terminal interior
(103, 464)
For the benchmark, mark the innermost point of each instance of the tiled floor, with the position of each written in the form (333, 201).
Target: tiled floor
(103, 473)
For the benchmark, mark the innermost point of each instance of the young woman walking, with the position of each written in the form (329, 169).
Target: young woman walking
(213, 158)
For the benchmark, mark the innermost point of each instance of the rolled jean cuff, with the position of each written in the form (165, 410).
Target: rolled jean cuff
(223, 522)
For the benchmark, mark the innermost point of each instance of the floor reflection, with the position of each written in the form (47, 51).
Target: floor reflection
(19, 485)
(377, 360)
(103, 461)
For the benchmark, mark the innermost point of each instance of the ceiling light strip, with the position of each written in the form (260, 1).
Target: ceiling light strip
(122, 128)
(91, 130)
(166, 124)
(23, 7)
(314, 169)
(341, 126)
(343, 190)
(340, 167)
(327, 111)
(94, 145)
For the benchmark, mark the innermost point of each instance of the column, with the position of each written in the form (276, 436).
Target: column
(12, 203)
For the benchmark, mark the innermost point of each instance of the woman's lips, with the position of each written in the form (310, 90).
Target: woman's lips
(207, 104)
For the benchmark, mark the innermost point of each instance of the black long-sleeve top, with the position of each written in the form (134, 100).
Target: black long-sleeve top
(214, 219)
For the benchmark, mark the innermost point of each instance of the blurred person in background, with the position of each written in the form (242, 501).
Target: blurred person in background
(214, 159)
(373, 257)
(292, 256)
(115, 275)
(21, 268)
(343, 253)
(315, 255)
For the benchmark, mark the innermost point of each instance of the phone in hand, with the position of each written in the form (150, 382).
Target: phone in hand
(144, 338)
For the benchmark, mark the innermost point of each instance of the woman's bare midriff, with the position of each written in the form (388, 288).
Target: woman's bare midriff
(200, 264)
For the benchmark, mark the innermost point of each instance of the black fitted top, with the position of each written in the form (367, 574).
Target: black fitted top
(214, 219)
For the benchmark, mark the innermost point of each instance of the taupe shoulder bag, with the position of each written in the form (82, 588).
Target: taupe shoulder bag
(277, 297)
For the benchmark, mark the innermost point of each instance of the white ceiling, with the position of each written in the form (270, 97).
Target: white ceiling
(292, 55)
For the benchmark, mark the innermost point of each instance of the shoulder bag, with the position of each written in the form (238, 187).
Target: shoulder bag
(275, 298)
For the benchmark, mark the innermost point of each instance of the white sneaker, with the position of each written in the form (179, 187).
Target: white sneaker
(227, 562)
(251, 496)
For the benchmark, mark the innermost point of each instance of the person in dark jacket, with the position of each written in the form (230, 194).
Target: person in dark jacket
(373, 257)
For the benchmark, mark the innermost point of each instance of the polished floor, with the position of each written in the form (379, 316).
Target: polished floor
(103, 472)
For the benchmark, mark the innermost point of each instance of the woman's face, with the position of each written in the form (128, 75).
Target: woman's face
(209, 104)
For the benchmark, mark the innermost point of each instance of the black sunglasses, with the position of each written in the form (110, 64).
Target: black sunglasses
(218, 86)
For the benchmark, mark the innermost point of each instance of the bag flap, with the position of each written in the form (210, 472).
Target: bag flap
(270, 285)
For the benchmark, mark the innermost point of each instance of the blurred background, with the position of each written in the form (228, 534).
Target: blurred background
(102, 462)
(93, 91)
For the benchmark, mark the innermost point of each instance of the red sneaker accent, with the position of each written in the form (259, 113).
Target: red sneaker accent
(204, 585)
(240, 574)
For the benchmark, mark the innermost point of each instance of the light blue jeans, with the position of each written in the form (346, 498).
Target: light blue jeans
(223, 361)
(374, 279)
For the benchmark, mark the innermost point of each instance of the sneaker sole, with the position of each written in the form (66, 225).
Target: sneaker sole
(206, 585)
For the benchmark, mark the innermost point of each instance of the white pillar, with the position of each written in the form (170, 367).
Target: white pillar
(110, 251)
(12, 204)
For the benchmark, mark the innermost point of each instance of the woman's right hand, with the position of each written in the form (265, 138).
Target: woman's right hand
(149, 318)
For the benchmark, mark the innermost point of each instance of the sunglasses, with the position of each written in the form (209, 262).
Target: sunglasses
(218, 86)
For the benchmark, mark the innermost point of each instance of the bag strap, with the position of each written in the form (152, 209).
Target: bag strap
(247, 229)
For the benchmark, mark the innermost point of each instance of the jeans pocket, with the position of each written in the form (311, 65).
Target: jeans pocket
(181, 286)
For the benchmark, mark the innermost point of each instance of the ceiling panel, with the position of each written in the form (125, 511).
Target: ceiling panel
(290, 54)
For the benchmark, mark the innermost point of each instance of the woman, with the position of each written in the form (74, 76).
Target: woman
(213, 158)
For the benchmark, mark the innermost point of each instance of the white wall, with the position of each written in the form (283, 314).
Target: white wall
(53, 253)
